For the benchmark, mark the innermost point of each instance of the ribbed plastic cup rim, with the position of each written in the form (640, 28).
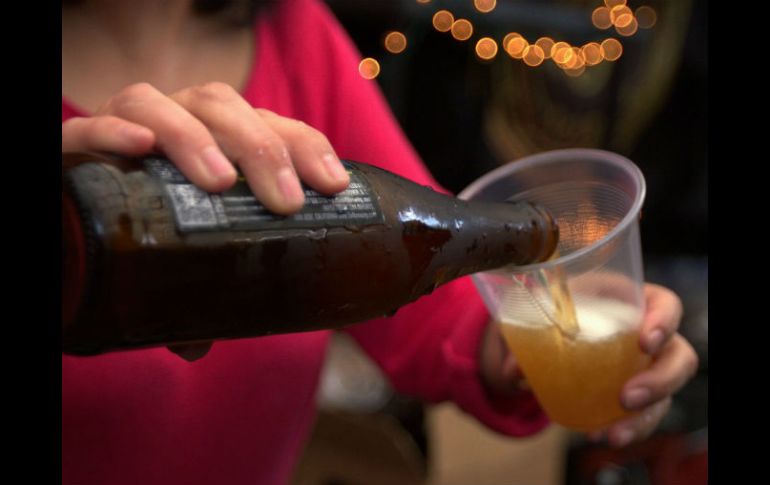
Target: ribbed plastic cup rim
(557, 156)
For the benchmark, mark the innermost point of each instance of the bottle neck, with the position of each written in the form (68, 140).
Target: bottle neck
(507, 234)
(480, 236)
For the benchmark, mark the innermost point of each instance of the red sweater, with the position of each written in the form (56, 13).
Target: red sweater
(242, 414)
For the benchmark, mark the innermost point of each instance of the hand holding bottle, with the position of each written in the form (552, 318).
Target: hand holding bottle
(209, 130)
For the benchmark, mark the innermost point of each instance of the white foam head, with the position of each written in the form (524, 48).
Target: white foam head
(598, 318)
(601, 318)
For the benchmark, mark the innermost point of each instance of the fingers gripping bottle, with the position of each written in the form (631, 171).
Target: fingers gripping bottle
(149, 259)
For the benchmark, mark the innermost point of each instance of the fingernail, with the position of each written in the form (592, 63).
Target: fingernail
(636, 398)
(334, 168)
(624, 437)
(649, 416)
(654, 341)
(290, 188)
(134, 134)
(216, 163)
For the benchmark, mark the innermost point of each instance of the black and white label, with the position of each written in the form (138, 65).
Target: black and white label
(238, 210)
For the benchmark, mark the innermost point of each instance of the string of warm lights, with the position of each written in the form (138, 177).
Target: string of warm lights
(573, 60)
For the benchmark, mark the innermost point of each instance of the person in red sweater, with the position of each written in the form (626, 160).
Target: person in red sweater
(279, 97)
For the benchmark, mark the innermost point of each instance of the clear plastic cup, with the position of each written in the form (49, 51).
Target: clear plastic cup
(575, 368)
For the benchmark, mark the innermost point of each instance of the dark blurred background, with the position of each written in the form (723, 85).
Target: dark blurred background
(467, 116)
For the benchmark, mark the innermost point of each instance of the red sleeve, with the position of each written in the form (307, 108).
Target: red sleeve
(430, 348)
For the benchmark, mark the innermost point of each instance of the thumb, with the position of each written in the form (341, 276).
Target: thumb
(499, 369)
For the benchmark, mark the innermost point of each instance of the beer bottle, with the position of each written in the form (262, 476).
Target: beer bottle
(149, 259)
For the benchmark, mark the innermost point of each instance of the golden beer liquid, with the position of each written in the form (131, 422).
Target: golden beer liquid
(564, 308)
(577, 378)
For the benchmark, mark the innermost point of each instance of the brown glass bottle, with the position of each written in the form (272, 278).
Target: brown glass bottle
(151, 260)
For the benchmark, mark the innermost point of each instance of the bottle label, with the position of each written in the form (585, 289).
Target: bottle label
(238, 210)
